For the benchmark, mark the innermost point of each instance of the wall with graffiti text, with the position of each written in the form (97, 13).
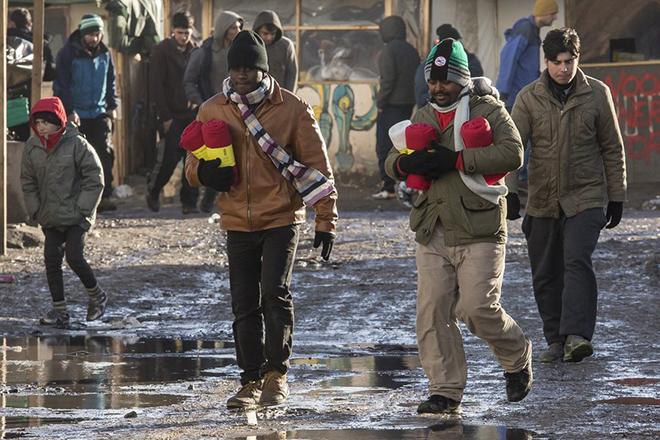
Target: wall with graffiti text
(635, 89)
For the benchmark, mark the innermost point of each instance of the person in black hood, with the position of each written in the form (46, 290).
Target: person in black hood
(396, 96)
(281, 51)
(20, 26)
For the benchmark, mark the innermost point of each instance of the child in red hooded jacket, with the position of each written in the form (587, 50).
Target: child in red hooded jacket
(62, 181)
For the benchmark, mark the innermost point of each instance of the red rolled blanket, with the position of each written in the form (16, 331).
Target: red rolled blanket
(476, 133)
(191, 138)
(419, 137)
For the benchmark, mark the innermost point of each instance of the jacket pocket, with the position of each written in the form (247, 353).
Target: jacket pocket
(418, 212)
(541, 134)
(586, 128)
(479, 217)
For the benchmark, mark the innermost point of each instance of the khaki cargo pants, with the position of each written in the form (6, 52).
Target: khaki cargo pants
(463, 282)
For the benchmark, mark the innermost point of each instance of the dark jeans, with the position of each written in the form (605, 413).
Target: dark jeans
(98, 132)
(562, 272)
(168, 156)
(54, 250)
(260, 267)
(386, 119)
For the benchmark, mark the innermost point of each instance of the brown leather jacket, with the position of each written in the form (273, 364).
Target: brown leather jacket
(263, 198)
(577, 156)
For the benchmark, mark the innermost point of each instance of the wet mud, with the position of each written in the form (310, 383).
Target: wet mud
(161, 363)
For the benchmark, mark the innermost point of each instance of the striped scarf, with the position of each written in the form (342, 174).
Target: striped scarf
(310, 183)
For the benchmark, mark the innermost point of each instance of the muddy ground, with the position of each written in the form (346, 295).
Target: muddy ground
(160, 365)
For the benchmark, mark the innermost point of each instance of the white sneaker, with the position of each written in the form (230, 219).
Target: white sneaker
(384, 195)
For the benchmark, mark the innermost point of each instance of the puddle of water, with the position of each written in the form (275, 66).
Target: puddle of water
(89, 372)
(636, 381)
(376, 374)
(632, 401)
(442, 431)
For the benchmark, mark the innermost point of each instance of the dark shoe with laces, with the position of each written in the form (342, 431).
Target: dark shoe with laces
(189, 209)
(519, 384)
(554, 353)
(438, 405)
(577, 348)
(247, 396)
(56, 318)
(96, 307)
(153, 202)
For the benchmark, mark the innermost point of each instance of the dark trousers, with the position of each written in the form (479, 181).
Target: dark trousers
(168, 155)
(260, 267)
(54, 250)
(386, 119)
(98, 132)
(562, 272)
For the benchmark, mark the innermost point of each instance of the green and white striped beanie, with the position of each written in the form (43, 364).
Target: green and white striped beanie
(90, 23)
(447, 61)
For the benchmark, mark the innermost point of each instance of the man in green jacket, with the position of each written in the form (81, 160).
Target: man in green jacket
(576, 168)
(461, 230)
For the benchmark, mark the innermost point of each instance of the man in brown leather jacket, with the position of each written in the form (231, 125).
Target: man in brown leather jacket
(282, 165)
(576, 169)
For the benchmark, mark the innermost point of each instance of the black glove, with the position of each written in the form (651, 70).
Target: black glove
(613, 214)
(512, 206)
(416, 162)
(328, 240)
(210, 174)
(442, 160)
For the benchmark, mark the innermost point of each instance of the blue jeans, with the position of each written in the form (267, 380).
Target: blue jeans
(260, 268)
(386, 119)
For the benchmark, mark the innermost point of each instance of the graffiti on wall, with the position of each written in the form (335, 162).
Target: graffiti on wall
(336, 109)
(637, 100)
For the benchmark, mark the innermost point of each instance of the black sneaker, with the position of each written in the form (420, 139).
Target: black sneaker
(96, 307)
(56, 318)
(438, 405)
(519, 384)
(106, 205)
(554, 353)
(189, 209)
(153, 202)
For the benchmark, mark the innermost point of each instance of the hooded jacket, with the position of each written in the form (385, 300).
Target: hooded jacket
(263, 198)
(166, 70)
(520, 58)
(282, 63)
(61, 187)
(208, 67)
(85, 81)
(577, 156)
(397, 64)
(49, 63)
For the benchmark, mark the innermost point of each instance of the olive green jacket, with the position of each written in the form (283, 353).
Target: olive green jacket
(62, 187)
(465, 216)
(577, 158)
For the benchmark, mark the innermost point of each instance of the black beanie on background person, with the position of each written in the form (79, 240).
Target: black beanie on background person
(248, 50)
(48, 117)
(448, 31)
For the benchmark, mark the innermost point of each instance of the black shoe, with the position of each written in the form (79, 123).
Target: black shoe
(554, 353)
(437, 405)
(96, 307)
(189, 209)
(153, 202)
(519, 384)
(106, 205)
(56, 318)
(208, 201)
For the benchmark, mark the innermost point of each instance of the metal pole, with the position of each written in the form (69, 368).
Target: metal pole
(3, 129)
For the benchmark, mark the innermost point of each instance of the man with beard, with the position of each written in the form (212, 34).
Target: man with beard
(576, 170)
(460, 226)
(168, 65)
(86, 85)
(283, 167)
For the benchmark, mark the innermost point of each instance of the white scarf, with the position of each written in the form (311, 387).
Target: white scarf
(475, 182)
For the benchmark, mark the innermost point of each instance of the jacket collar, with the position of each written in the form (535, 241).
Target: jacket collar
(581, 94)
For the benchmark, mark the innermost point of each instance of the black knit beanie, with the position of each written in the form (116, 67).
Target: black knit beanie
(248, 50)
(48, 117)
